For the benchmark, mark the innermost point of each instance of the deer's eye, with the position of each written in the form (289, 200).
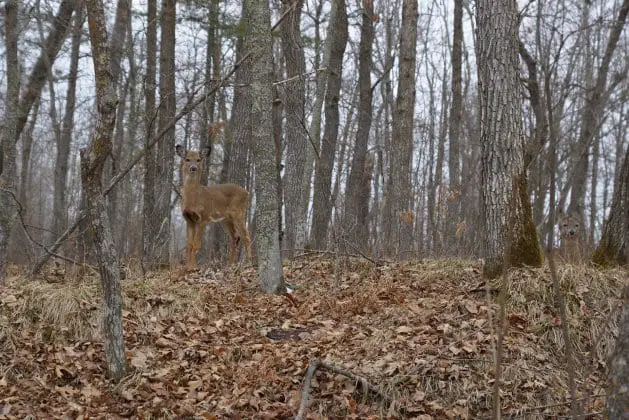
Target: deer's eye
(187, 160)
(565, 225)
(198, 160)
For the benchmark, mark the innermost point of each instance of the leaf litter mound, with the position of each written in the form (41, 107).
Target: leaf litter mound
(211, 345)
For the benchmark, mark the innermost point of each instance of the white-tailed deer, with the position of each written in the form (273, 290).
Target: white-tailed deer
(200, 205)
(570, 237)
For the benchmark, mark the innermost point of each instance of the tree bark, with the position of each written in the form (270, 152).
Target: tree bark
(240, 130)
(358, 192)
(8, 205)
(92, 161)
(259, 41)
(148, 207)
(510, 234)
(164, 153)
(297, 143)
(337, 36)
(454, 130)
(398, 215)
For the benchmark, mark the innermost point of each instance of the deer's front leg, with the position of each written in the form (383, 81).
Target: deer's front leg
(190, 251)
(198, 237)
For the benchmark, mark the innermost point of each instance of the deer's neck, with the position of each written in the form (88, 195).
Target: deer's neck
(191, 189)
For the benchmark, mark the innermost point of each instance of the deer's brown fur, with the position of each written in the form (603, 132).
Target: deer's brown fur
(220, 203)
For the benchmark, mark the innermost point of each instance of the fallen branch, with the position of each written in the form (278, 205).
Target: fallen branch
(319, 364)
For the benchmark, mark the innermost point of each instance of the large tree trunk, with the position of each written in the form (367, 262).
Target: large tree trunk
(260, 43)
(337, 36)
(164, 150)
(297, 144)
(510, 234)
(148, 225)
(92, 161)
(358, 192)
(8, 205)
(60, 211)
(398, 216)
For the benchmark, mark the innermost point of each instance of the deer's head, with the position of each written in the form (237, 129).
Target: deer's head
(192, 161)
(569, 225)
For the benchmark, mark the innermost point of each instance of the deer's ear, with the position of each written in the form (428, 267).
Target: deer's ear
(206, 151)
(180, 150)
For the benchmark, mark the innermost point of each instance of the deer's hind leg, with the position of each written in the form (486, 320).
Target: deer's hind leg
(243, 234)
(230, 230)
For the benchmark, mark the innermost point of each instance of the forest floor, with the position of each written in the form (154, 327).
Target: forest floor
(211, 345)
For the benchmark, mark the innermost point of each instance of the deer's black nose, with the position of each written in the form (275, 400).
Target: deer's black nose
(193, 168)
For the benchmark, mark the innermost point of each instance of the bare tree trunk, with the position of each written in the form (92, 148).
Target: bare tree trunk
(8, 206)
(337, 36)
(92, 160)
(148, 211)
(60, 211)
(297, 143)
(357, 194)
(164, 150)
(259, 42)
(454, 134)
(398, 215)
(510, 234)
(591, 117)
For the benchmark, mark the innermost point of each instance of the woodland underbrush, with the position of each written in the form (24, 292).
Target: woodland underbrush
(397, 339)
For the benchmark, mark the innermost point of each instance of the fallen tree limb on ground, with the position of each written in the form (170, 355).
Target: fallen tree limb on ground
(319, 364)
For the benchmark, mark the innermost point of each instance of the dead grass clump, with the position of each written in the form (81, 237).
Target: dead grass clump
(59, 312)
(591, 297)
(160, 297)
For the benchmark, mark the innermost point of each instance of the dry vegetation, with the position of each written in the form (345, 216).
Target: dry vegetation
(210, 345)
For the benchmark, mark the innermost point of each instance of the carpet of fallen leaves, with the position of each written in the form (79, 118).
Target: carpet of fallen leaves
(210, 345)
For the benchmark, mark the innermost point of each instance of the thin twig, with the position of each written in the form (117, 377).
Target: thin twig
(20, 212)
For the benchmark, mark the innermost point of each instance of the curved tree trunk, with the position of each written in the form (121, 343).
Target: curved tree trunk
(60, 211)
(591, 117)
(510, 234)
